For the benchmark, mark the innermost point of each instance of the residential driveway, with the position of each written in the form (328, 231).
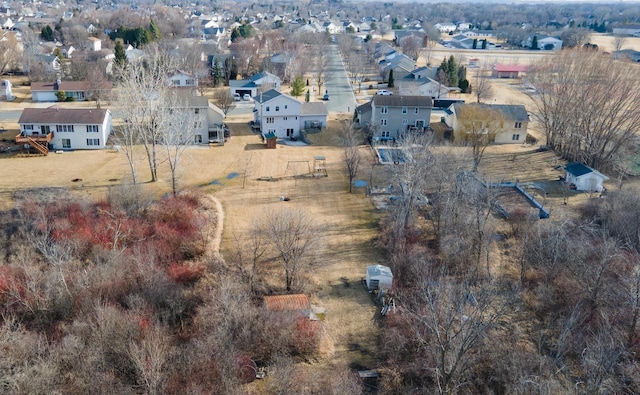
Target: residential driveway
(342, 99)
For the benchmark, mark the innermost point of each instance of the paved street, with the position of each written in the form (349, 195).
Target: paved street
(337, 84)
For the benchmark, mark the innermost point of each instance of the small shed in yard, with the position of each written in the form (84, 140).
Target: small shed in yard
(379, 277)
(297, 303)
(271, 139)
(5, 90)
(584, 178)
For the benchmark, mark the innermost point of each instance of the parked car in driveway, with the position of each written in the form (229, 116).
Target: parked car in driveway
(384, 92)
(246, 97)
(236, 97)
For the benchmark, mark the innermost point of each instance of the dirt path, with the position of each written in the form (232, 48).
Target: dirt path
(345, 245)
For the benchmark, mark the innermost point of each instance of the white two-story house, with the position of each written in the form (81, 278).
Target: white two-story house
(64, 128)
(285, 116)
(390, 118)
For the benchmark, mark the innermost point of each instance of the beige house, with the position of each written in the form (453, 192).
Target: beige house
(508, 124)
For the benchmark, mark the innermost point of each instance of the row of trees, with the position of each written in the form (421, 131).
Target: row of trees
(549, 307)
(588, 106)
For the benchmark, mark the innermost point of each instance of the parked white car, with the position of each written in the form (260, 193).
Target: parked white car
(246, 97)
(236, 97)
(384, 92)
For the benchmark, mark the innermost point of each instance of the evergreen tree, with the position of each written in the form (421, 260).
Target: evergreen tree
(154, 30)
(120, 59)
(475, 43)
(452, 71)
(297, 86)
(462, 73)
(390, 79)
(235, 33)
(484, 44)
(534, 42)
(308, 97)
(463, 85)
(46, 33)
(216, 72)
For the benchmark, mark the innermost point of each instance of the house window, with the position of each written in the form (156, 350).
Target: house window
(405, 121)
(270, 120)
(417, 110)
(285, 106)
(198, 139)
(91, 142)
(383, 122)
(64, 128)
(27, 127)
(277, 108)
(190, 82)
(66, 143)
(284, 118)
(384, 110)
(289, 132)
(518, 125)
(404, 110)
(45, 129)
(176, 82)
(515, 137)
(196, 111)
(267, 109)
(386, 134)
(91, 128)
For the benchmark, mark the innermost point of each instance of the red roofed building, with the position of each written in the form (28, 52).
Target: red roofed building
(508, 70)
(288, 303)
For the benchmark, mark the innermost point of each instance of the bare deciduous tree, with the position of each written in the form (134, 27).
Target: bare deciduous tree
(570, 87)
(478, 126)
(9, 53)
(144, 87)
(292, 234)
(223, 99)
(482, 88)
(352, 157)
(450, 320)
(619, 41)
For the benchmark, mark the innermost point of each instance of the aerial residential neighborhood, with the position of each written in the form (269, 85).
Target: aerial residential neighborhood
(319, 197)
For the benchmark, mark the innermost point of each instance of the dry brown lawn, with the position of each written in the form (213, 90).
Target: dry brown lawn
(345, 245)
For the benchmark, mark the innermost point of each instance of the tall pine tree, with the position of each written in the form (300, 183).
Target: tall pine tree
(390, 79)
(120, 59)
(216, 72)
(452, 71)
(154, 30)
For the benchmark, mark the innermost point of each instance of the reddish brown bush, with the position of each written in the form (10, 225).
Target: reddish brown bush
(185, 273)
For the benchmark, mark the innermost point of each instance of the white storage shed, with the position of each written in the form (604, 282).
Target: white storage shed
(379, 277)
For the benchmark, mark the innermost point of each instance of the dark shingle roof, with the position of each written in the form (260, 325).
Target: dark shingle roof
(266, 96)
(513, 112)
(67, 86)
(578, 169)
(402, 101)
(68, 116)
